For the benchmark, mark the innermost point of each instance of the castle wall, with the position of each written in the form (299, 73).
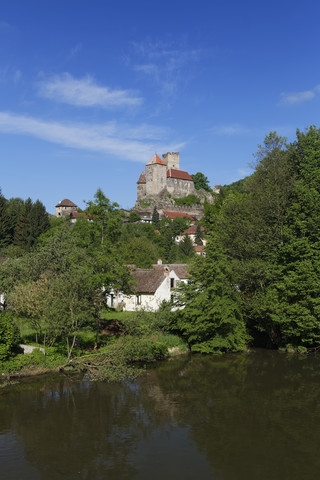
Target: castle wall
(65, 211)
(141, 190)
(179, 188)
(172, 160)
(156, 176)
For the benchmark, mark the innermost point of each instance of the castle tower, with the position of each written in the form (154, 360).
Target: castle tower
(171, 160)
(65, 208)
(156, 176)
(141, 187)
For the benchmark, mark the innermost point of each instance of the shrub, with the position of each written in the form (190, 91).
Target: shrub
(9, 335)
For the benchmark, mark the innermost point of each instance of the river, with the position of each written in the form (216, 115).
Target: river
(231, 417)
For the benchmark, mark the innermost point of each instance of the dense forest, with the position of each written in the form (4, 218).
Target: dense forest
(260, 280)
(258, 284)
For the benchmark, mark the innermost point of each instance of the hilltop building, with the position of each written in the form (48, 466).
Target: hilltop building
(66, 208)
(162, 183)
(163, 177)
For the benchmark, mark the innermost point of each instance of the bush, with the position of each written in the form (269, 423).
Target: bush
(9, 335)
(188, 200)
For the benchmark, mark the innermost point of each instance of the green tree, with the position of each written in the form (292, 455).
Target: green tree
(210, 318)
(140, 251)
(155, 217)
(4, 223)
(9, 335)
(198, 237)
(134, 217)
(201, 182)
(186, 246)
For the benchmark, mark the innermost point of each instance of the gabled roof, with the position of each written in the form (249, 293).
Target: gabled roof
(192, 230)
(180, 269)
(66, 203)
(181, 174)
(142, 178)
(148, 280)
(173, 215)
(156, 160)
(199, 248)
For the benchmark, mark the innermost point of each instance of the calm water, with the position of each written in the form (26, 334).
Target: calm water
(254, 416)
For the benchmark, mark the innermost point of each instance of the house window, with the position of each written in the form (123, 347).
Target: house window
(171, 282)
(138, 299)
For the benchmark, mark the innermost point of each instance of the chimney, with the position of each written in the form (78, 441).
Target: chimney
(159, 261)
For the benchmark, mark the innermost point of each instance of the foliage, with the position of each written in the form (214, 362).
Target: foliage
(189, 200)
(186, 246)
(133, 217)
(201, 182)
(155, 217)
(198, 236)
(9, 335)
(208, 308)
(139, 251)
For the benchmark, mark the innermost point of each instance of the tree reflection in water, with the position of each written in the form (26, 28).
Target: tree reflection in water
(237, 417)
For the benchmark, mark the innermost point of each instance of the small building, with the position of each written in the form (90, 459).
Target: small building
(66, 208)
(192, 233)
(152, 287)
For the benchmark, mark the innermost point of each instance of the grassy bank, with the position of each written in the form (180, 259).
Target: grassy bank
(126, 342)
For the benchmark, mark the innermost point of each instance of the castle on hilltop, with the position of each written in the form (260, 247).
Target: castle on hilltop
(163, 178)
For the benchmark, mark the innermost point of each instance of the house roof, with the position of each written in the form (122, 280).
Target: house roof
(149, 279)
(181, 174)
(180, 269)
(199, 248)
(142, 178)
(192, 230)
(173, 215)
(66, 203)
(156, 160)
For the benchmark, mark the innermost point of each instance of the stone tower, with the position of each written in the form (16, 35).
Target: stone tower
(156, 176)
(171, 160)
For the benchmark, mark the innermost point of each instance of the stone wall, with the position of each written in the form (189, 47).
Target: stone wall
(180, 188)
(172, 160)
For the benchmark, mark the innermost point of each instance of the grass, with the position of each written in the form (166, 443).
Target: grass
(139, 337)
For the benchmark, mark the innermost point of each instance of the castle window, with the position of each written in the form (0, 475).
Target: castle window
(138, 299)
(171, 282)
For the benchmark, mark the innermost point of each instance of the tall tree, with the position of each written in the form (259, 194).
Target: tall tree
(208, 314)
(155, 217)
(5, 236)
(201, 182)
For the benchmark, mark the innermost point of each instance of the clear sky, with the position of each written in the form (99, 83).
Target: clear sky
(90, 90)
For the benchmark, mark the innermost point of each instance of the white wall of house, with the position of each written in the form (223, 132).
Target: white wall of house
(151, 302)
(146, 301)
(1, 300)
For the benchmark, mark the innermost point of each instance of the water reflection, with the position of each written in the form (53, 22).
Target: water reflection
(232, 417)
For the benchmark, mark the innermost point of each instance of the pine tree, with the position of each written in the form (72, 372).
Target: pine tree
(186, 246)
(155, 217)
(22, 232)
(198, 237)
(4, 223)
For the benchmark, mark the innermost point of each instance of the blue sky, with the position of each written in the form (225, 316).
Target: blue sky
(90, 90)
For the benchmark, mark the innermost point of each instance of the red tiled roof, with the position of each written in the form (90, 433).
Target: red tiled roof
(142, 178)
(199, 248)
(66, 203)
(181, 174)
(192, 230)
(173, 215)
(156, 160)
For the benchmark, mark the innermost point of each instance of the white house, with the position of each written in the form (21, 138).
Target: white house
(152, 287)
